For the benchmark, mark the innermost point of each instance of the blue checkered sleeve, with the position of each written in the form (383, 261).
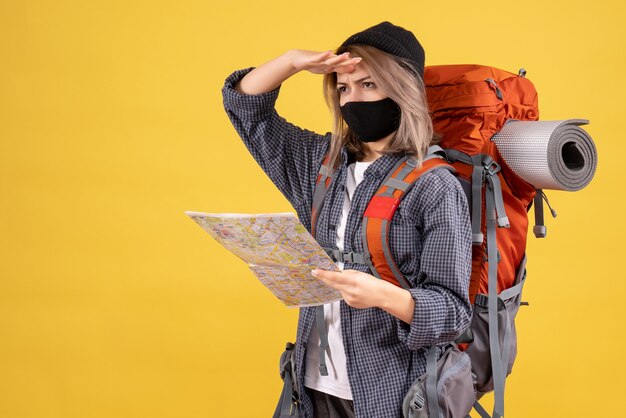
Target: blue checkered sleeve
(288, 154)
(442, 308)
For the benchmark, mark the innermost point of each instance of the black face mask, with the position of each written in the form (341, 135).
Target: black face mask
(371, 121)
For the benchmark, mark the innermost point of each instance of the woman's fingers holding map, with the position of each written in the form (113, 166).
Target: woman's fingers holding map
(358, 289)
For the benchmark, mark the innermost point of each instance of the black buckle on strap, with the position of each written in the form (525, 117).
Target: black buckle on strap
(347, 257)
(483, 301)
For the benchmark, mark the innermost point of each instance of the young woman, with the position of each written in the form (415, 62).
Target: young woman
(379, 333)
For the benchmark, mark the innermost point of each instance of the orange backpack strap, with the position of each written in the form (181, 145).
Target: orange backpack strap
(380, 211)
(377, 215)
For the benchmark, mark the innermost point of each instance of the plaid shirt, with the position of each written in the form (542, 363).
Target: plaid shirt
(430, 239)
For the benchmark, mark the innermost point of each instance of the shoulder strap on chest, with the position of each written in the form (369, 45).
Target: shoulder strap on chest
(380, 211)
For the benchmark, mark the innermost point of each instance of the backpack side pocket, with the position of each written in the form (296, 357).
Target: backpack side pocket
(479, 351)
(454, 388)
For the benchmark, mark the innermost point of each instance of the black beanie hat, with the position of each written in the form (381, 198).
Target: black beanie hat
(393, 40)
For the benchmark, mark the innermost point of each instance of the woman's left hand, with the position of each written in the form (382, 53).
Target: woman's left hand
(362, 290)
(359, 290)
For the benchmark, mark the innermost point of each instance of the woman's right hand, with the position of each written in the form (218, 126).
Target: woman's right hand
(270, 75)
(322, 62)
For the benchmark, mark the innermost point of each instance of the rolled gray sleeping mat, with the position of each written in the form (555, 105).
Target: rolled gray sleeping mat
(556, 154)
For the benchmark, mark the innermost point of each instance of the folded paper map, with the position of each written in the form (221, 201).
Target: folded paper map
(279, 251)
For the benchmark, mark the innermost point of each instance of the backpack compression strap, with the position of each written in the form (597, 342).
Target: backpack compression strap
(485, 177)
(485, 169)
(380, 211)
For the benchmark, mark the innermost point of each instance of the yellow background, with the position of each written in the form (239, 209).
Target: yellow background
(114, 304)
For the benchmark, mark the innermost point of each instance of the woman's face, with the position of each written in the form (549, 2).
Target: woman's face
(358, 86)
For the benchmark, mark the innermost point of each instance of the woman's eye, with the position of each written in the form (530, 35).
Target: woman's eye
(341, 89)
(368, 84)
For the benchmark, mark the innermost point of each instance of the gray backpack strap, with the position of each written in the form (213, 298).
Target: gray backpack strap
(498, 371)
(323, 182)
(484, 168)
(481, 411)
(453, 155)
(491, 169)
(348, 256)
(484, 176)
(507, 340)
(477, 187)
(431, 382)
(496, 217)
(513, 291)
(435, 151)
(321, 329)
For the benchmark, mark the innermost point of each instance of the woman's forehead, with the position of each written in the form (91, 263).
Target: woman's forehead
(359, 73)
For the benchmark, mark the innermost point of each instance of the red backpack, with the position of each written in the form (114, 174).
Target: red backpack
(469, 104)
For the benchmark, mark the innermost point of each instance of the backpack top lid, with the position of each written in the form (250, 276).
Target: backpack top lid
(470, 103)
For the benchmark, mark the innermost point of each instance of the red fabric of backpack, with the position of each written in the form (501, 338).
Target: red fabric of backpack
(469, 104)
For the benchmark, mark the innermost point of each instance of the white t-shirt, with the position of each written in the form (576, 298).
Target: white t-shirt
(336, 383)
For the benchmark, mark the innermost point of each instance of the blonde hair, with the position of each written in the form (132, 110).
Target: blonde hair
(399, 81)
